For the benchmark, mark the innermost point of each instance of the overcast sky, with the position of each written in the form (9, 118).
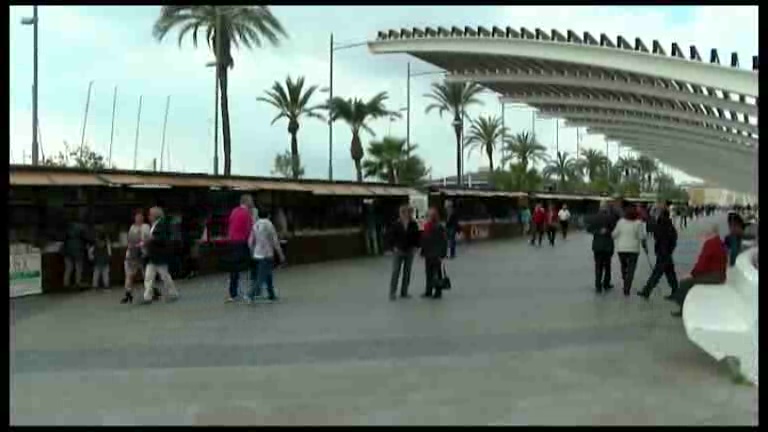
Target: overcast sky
(113, 46)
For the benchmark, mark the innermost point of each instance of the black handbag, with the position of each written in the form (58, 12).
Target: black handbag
(444, 283)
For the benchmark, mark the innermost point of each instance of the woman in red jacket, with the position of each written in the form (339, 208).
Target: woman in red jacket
(709, 269)
(538, 219)
(551, 224)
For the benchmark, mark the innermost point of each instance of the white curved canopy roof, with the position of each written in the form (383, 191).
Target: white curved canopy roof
(700, 117)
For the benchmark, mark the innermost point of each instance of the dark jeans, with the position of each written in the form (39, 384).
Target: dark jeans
(665, 265)
(537, 231)
(628, 261)
(686, 284)
(238, 261)
(602, 270)
(261, 274)
(452, 242)
(551, 234)
(433, 271)
(404, 260)
(564, 228)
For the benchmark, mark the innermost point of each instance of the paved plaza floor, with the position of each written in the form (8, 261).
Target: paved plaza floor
(521, 339)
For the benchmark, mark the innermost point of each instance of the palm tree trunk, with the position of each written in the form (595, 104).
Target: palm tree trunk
(225, 121)
(490, 160)
(356, 151)
(294, 155)
(359, 170)
(457, 129)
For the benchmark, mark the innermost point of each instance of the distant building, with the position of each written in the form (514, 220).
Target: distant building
(707, 194)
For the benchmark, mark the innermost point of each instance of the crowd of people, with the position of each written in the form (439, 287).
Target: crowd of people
(253, 246)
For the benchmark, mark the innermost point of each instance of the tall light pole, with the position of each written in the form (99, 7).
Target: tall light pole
(34, 22)
(165, 123)
(136, 141)
(332, 48)
(85, 116)
(408, 102)
(112, 129)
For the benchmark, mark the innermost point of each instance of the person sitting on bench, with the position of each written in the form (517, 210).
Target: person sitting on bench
(709, 269)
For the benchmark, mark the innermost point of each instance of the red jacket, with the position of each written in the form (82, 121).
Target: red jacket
(240, 224)
(551, 218)
(712, 259)
(539, 216)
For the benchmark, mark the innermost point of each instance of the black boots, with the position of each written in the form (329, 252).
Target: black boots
(127, 299)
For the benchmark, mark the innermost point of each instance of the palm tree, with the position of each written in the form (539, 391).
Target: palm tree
(291, 104)
(356, 113)
(246, 25)
(525, 149)
(455, 98)
(525, 180)
(564, 168)
(627, 166)
(647, 168)
(483, 134)
(384, 158)
(592, 163)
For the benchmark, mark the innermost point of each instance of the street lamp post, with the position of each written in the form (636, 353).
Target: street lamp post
(34, 23)
(408, 103)
(332, 48)
(85, 116)
(216, 119)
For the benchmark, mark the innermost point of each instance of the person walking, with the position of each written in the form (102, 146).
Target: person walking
(404, 237)
(434, 247)
(539, 219)
(734, 240)
(263, 244)
(525, 219)
(710, 268)
(565, 217)
(73, 249)
(100, 254)
(452, 226)
(158, 257)
(629, 237)
(601, 227)
(552, 220)
(238, 231)
(665, 242)
(138, 234)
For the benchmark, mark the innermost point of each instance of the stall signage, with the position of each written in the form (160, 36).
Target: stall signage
(25, 270)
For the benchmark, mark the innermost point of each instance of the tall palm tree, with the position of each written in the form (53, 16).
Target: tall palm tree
(356, 113)
(564, 168)
(592, 163)
(524, 148)
(455, 98)
(647, 168)
(246, 25)
(525, 180)
(628, 167)
(484, 133)
(292, 102)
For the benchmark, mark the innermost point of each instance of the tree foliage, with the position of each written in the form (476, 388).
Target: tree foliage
(388, 160)
(284, 166)
(76, 157)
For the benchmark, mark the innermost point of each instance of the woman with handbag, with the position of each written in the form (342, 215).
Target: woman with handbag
(434, 248)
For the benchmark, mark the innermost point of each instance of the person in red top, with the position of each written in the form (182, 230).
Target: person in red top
(551, 220)
(710, 268)
(539, 220)
(238, 230)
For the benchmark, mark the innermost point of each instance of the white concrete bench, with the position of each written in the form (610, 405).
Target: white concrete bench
(723, 319)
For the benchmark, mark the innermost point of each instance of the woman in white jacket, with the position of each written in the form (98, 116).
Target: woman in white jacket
(629, 237)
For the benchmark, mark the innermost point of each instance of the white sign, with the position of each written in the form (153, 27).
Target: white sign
(25, 270)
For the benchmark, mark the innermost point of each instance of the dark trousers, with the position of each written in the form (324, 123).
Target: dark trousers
(602, 270)
(684, 221)
(628, 261)
(261, 275)
(433, 271)
(686, 284)
(564, 228)
(551, 234)
(404, 260)
(537, 231)
(452, 242)
(665, 265)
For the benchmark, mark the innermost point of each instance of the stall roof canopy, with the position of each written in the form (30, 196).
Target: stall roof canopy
(698, 116)
(477, 193)
(48, 176)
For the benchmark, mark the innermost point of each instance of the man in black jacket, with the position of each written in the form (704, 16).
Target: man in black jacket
(434, 247)
(665, 236)
(159, 254)
(601, 227)
(404, 237)
(452, 226)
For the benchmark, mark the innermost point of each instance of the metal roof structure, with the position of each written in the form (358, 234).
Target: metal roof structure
(699, 116)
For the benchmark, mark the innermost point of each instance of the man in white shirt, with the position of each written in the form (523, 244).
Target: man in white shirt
(565, 216)
(263, 243)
